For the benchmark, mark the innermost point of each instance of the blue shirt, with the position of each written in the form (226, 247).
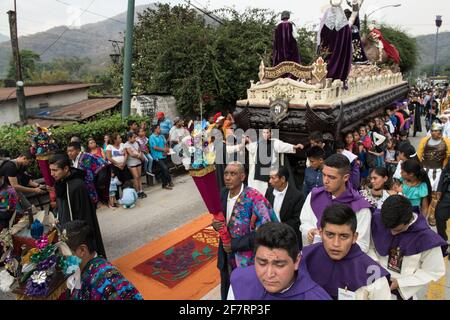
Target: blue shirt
(313, 179)
(129, 197)
(165, 126)
(160, 142)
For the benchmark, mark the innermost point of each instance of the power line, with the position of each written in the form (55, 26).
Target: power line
(91, 12)
(204, 12)
(48, 48)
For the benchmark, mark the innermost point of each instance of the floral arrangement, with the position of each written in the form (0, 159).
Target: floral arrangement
(198, 149)
(41, 141)
(40, 266)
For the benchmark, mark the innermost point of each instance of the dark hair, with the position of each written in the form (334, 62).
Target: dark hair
(409, 151)
(60, 160)
(340, 162)
(283, 172)
(396, 210)
(127, 184)
(131, 122)
(155, 126)
(274, 235)
(75, 145)
(315, 153)
(114, 136)
(414, 167)
(27, 155)
(130, 134)
(339, 214)
(78, 233)
(383, 172)
(316, 136)
(403, 133)
(339, 145)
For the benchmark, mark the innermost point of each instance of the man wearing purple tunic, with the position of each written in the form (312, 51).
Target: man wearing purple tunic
(339, 266)
(277, 273)
(405, 245)
(285, 46)
(336, 189)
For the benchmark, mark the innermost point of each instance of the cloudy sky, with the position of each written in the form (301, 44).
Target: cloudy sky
(415, 16)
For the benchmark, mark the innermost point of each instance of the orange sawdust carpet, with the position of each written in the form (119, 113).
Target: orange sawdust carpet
(178, 266)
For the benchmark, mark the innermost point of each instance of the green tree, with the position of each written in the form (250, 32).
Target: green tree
(307, 42)
(29, 60)
(176, 52)
(405, 44)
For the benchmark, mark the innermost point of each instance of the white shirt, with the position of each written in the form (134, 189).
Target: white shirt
(278, 200)
(398, 170)
(76, 162)
(309, 221)
(417, 270)
(378, 290)
(118, 155)
(231, 202)
(278, 147)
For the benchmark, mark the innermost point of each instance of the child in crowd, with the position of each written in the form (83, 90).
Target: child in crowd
(390, 156)
(129, 196)
(113, 190)
(147, 158)
(416, 186)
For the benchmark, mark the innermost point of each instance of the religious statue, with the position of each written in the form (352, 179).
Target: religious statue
(285, 46)
(335, 39)
(386, 51)
(359, 54)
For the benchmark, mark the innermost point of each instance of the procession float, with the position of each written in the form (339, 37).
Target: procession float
(351, 81)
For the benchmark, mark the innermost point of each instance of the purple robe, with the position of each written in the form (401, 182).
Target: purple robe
(246, 286)
(355, 175)
(285, 46)
(336, 48)
(321, 199)
(352, 272)
(418, 238)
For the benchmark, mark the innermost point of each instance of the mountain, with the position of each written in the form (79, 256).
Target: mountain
(426, 46)
(3, 38)
(89, 41)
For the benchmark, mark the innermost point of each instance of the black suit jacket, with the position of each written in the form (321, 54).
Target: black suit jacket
(242, 244)
(290, 209)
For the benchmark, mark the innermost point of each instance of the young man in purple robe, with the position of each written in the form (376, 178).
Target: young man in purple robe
(277, 273)
(336, 189)
(285, 46)
(339, 266)
(404, 244)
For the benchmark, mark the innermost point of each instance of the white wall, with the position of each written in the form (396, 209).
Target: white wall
(9, 111)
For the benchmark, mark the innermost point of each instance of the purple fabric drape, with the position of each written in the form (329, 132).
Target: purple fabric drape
(339, 51)
(49, 181)
(418, 238)
(285, 46)
(207, 186)
(321, 199)
(352, 272)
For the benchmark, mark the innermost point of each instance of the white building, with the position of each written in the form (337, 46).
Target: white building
(40, 99)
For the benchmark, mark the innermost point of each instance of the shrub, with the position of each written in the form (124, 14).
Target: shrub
(16, 139)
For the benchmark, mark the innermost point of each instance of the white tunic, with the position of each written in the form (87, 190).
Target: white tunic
(417, 270)
(278, 147)
(309, 221)
(378, 290)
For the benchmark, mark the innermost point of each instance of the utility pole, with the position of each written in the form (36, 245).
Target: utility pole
(127, 67)
(20, 93)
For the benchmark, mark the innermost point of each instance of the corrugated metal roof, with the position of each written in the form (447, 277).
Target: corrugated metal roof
(82, 110)
(10, 93)
(49, 123)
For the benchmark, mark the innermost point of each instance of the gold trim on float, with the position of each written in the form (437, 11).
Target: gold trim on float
(202, 172)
